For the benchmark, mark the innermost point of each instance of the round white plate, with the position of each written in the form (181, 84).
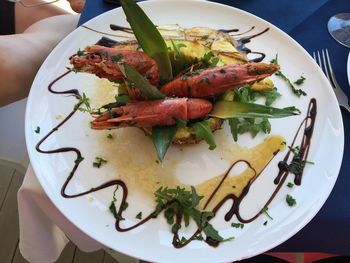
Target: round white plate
(129, 152)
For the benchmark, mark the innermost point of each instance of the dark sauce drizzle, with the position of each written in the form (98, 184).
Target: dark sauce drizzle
(308, 122)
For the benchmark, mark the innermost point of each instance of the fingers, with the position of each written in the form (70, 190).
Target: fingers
(77, 5)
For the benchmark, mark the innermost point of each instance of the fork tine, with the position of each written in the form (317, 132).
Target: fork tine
(319, 60)
(327, 64)
(330, 69)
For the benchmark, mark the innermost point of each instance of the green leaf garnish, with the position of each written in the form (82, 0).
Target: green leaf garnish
(83, 104)
(299, 81)
(233, 122)
(162, 137)
(234, 109)
(99, 161)
(290, 200)
(181, 203)
(298, 92)
(148, 37)
(37, 130)
(237, 225)
(203, 130)
(140, 82)
(290, 185)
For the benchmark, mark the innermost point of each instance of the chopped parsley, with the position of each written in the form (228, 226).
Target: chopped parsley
(290, 185)
(109, 136)
(83, 104)
(264, 210)
(299, 81)
(80, 53)
(237, 225)
(298, 164)
(298, 92)
(290, 200)
(37, 130)
(116, 58)
(139, 216)
(99, 161)
(112, 207)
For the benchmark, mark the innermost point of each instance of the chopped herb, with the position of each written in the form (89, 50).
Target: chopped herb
(203, 130)
(298, 92)
(264, 210)
(290, 200)
(298, 164)
(237, 225)
(37, 130)
(183, 240)
(270, 96)
(83, 104)
(80, 53)
(176, 48)
(139, 216)
(181, 204)
(116, 58)
(112, 207)
(109, 136)
(299, 81)
(199, 237)
(98, 162)
(204, 37)
(124, 206)
(290, 185)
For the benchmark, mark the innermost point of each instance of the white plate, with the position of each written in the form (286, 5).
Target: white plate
(152, 241)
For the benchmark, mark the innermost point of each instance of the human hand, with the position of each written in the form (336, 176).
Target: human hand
(77, 5)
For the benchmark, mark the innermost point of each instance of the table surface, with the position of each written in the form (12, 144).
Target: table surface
(329, 231)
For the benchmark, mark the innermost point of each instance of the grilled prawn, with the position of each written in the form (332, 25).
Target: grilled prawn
(211, 82)
(147, 114)
(102, 61)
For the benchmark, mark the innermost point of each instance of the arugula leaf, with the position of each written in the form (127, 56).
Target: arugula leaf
(298, 92)
(176, 48)
(234, 109)
(120, 100)
(140, 82)
(181, 203)
(83, 104)
(233, 122)
(203, 130)
(148, 37)
(162, 137)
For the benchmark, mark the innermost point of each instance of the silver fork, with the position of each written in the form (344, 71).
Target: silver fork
(326, 66)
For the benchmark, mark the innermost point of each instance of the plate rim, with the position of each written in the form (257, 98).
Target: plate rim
(291, 233)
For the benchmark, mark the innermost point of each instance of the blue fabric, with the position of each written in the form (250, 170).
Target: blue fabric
(306, 22)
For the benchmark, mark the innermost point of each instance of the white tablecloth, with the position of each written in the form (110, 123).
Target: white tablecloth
(44, 230)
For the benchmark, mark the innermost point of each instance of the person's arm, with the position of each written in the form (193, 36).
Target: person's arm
(22, 54)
